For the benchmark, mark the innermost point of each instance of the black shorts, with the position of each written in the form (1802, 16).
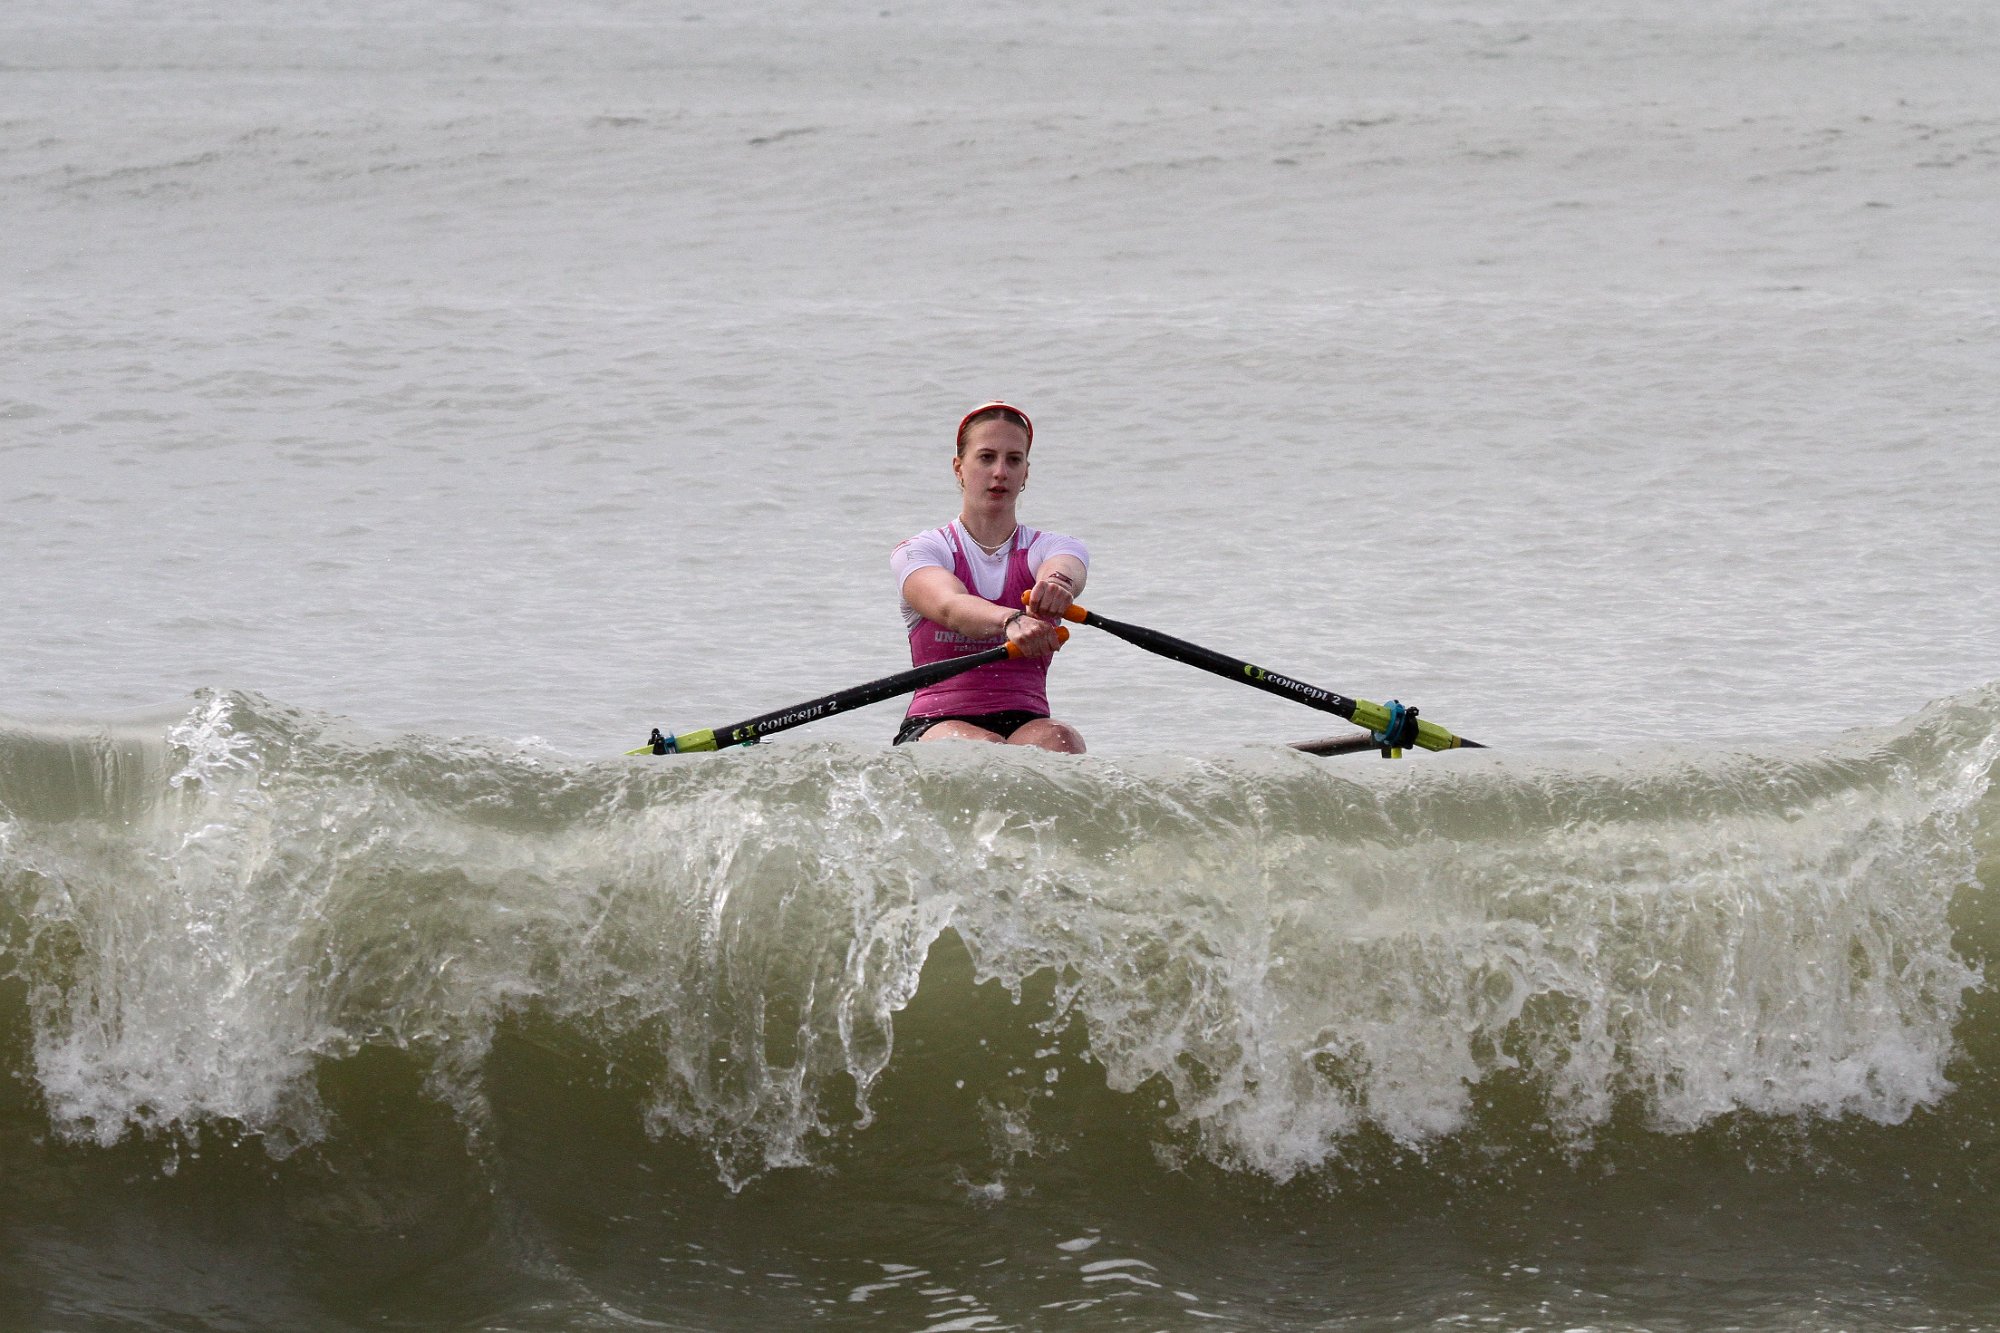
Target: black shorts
(1001, 724)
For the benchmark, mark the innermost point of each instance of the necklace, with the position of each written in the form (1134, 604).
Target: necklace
(994, 549)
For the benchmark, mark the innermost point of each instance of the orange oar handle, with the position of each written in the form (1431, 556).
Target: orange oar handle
(1074, 612)
(1062, 637)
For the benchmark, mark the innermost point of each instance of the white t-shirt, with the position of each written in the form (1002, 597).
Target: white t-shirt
(989, 572)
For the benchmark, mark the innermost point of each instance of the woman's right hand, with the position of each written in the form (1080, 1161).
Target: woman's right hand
(1036, 638)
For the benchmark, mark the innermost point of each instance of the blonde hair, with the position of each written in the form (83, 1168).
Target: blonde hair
(994, 411)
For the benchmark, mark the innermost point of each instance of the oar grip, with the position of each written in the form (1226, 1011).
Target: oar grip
(1062, 637)
(1074, 612)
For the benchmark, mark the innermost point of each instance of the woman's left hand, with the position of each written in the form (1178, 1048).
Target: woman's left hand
(1049, 598)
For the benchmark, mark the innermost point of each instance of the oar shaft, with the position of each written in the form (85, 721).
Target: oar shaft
(1373, 716)
(1194, 655)
(840, 701)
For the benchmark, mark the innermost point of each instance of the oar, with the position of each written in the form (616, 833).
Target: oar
(1393, 726)
(840, 701)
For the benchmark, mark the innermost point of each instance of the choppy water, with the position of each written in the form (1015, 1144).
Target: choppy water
(399, 415)
(339, 1026)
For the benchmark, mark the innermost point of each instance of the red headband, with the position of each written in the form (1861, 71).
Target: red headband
(996, 406)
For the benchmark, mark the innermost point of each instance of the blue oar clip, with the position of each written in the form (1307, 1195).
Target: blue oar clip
(1400, 734)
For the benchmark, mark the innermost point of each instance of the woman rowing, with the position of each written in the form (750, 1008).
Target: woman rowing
(962, 587)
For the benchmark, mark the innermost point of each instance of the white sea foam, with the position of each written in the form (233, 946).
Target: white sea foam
(1296, 958)
(1598, 377)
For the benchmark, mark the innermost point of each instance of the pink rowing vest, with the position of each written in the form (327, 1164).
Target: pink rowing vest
(1017, 684)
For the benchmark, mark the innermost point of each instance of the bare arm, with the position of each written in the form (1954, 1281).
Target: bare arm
(936, 594)
(1057, 584)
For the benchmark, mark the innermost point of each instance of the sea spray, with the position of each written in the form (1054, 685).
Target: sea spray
(1274, 953)
(352, 1021)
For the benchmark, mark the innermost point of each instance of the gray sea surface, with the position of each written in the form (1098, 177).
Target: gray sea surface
(1583, 374)
(403, 410)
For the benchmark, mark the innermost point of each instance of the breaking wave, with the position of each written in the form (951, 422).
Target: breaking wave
(1267, 962)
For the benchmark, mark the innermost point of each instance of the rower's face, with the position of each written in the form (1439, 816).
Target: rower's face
(995, 461)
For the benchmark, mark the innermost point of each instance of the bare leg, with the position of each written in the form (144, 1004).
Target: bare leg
(1047, 733)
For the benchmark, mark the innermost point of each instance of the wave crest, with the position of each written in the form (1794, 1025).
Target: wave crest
(1272, 955)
